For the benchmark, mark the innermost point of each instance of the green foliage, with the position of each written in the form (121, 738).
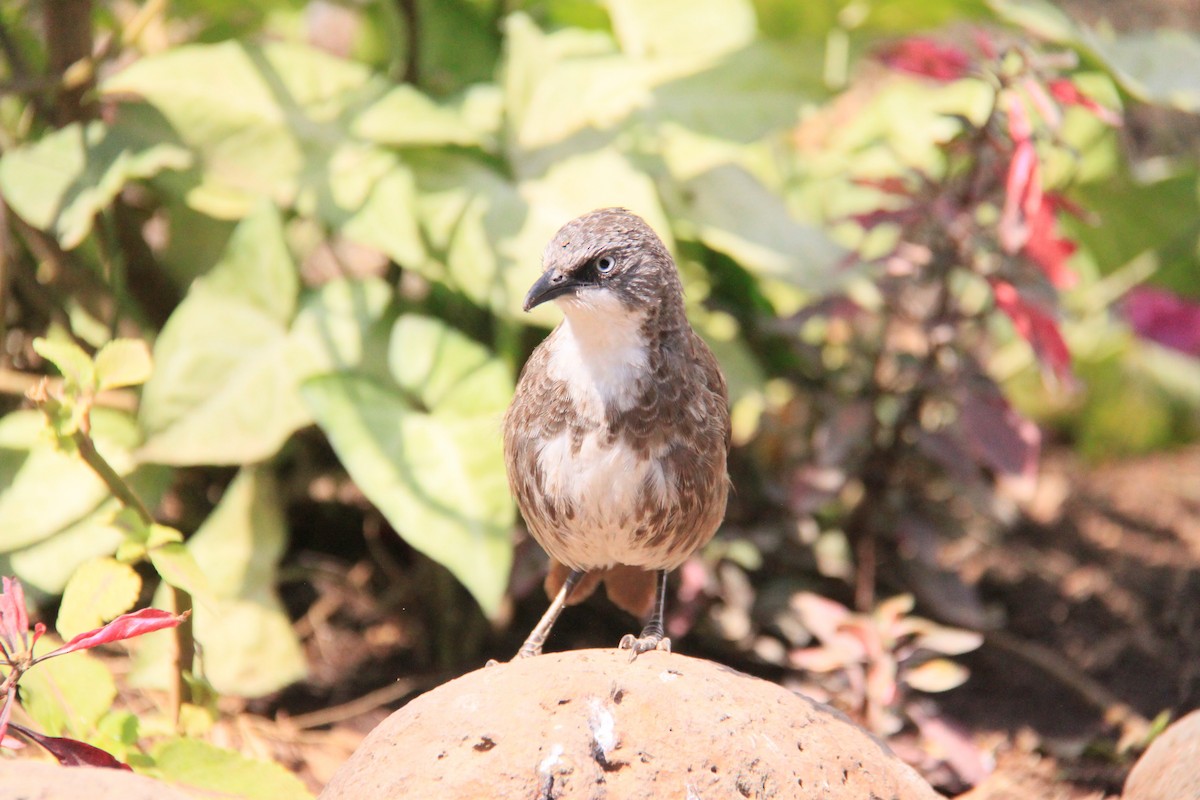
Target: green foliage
(238, 618)
(68, 696)
(99, 590)
(203, 769)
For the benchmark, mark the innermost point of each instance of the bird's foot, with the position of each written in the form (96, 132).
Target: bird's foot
(649, 640)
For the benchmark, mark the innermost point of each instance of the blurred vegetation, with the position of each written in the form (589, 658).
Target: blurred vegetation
(323, 216)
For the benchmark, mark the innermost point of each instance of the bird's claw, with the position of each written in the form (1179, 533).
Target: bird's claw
(636, 645)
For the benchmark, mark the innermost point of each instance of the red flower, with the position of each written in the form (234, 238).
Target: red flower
(926, 57)
(1036, 326)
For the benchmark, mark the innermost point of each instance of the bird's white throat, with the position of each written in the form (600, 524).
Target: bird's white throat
(599, 352)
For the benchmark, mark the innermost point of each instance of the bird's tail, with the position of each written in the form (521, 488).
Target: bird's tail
(629, 588)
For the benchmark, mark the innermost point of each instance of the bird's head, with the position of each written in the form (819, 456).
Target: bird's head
(608, 260)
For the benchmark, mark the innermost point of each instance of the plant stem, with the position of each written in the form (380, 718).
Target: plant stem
(115, 483)
(185, 644)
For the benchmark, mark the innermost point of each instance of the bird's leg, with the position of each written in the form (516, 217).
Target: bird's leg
(653, 636)
(537, 638)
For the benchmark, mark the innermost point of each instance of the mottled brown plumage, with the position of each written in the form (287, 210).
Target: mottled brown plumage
(616, 440)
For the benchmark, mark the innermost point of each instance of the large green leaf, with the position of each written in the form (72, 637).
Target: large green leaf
(61, 181)
(559, 84)
(99, 591)
(734, 213)
(223, 390)
(209, 771)
(249, 647)
(405, 117)
(257, 116)
(46, 565)
(282, 121)
(690, 30)
(230, 358)
(447, 371)
(67, 695)
(438, 478)
(43, 490)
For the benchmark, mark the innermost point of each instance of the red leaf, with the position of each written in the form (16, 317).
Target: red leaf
(126, 626)
(889, 185)
(1046, 248)
(926, 57)
(1022, 197)
(1164, 317)
(10, 699)
(14, 619)
(73, 753)
(1036, 326)
(1066, 92)
(998, 436)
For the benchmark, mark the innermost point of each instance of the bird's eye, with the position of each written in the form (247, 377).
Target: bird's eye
(605, 264)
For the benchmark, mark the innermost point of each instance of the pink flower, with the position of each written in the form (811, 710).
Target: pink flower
(928, 58)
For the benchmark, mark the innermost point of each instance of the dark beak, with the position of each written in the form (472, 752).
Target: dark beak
(552, 284)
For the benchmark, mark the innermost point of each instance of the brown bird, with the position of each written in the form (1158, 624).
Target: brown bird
(616, 440)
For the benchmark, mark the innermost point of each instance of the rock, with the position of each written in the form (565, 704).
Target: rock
(1170, 767)
(22, 779)
(589, 724)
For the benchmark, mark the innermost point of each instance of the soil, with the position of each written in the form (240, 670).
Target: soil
(1100, 634)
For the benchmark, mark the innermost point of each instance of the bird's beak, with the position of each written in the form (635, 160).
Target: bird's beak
(552, 284)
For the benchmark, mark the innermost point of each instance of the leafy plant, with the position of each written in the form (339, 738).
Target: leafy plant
(872, 662)
(17, 650)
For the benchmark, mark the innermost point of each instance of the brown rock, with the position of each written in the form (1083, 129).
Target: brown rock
(1170, 767)
(589, 724)
(41, 780)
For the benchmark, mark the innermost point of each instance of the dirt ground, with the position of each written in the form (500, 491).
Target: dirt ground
(1103, 628)
(1101, 608)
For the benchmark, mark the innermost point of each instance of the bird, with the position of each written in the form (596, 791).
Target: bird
(617, 438)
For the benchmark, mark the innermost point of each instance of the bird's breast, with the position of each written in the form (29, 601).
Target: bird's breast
(604, 485)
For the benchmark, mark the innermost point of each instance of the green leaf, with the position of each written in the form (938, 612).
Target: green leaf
(371, 199)
(695, 30)
(557, 85)
(448, 372)
(72, 362)
(205, 770)
(47, 565)
(175, 564)
(231, 356)
(262, 120)
(405, 117)
(221, 392)
(99, 591)
(60, 182)
(123, 362)
(242, 619)
(734, 213)
(67, 695)
(470, 214)
(438, 479)
(1156, 66)
(43, 490)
